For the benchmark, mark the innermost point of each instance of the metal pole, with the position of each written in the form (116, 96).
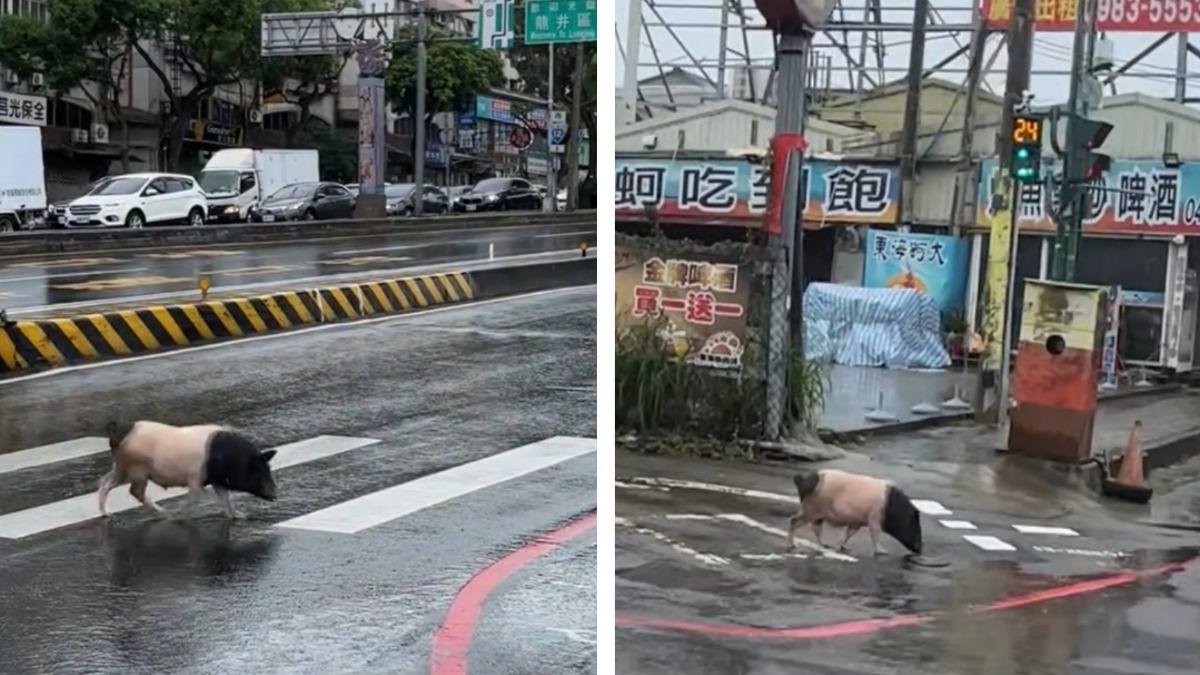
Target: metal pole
(551, 173)
(1001, 234)
(912, 112)
(419, 123)
(1181, 68)
(1070, 223)
(721, 57)
(964, 189)
(575, 129)
(786, 327)
(627, 114)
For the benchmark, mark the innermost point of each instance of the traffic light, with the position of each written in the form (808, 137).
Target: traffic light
(1026, 161)
(1087, 135)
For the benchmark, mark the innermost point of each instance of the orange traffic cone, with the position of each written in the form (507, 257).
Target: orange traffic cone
(1130, 483)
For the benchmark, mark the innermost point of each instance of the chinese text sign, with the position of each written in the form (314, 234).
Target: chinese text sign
(735, 191)
(551, 21)
(1153, 16)
(935, 265)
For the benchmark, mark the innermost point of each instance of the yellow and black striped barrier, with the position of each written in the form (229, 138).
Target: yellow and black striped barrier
(54, 342)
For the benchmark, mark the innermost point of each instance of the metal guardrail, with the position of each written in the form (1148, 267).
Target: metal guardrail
(95, 240)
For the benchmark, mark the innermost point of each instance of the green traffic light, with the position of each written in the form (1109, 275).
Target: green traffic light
(1023, 153)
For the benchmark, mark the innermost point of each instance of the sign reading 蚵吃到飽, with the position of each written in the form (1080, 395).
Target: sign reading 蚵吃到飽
(720, 190)
(554, 21)
(1132, 197)
(701, 302)
(929, 263)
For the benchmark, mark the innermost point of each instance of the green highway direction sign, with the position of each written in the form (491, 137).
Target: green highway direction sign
(549, 21)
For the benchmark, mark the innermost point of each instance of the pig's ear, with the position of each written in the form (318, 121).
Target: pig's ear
(267, 455)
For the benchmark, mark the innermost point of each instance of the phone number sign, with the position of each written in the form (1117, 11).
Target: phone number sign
(1155, 16)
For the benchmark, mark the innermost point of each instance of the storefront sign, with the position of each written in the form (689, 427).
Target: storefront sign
(702, 304)
(559, 21)
(735, 191)
(1139, 197)
(510, 112)
(1108, 361)
(1153, 16)
(933, 264)
(22, 109)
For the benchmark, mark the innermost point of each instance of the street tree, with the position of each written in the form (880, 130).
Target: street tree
(82, 48)
(455, 71)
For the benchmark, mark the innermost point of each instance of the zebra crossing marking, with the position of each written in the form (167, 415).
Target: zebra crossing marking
(1044, 529)
(395, 502)
(958, 525)
(73, 510)
(54, 452)
(989, 543)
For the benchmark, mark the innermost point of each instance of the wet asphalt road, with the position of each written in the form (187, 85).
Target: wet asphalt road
(136, 594)
(29, 283)
(722, 598)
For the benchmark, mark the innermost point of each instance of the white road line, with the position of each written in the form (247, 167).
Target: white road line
(679, 547)
(763, 527)
(1043, 529)
(772, 557)
(55, 452)
(931, 508)
(401, 500)
(1080, 551)
(958, 524)
(175, 353)
(85, 507)
(563, 234)
(989, 543)
(712, 487)
(51, 276)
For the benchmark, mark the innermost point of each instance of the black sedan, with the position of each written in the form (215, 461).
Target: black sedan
(400, 200)
(305, 201)
(499, 194)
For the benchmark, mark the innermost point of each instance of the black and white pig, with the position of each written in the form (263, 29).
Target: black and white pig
(191, 457)
(855, 501)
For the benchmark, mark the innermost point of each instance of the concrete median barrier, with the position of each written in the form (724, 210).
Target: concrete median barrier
(47, 343)
(93, 240)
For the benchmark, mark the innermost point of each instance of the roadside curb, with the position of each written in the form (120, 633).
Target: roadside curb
(47, 343)
(95, 240)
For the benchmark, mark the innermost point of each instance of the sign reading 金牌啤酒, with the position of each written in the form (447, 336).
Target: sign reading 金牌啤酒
(554, 21)
(701, 304)
(1132, 197)
(1153, 16)
(735, 191)
(932, 264)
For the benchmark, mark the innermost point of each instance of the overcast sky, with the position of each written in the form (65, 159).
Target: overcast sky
(1052, 51)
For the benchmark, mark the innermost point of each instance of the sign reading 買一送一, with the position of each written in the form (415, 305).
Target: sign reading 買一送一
(1132, 197)
(732, 191)
(932, 264)
(701, 304)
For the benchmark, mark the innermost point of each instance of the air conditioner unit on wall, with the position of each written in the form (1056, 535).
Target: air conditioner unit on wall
(79, 135)
(100, 133)
(12, 78)
(38, 80)
(255, 116)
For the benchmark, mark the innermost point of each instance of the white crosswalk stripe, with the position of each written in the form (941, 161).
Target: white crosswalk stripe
(348, 516)
(55, 452)
(398, 501)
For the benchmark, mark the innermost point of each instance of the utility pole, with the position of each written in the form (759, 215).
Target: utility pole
(785, 329)
(962, 210)
(1002, 235)
(627, 113)
(551, 172)
(912, 114)
(575, 129)
(1069, 222)
(419, 123)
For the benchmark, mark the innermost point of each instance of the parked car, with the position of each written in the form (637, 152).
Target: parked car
(306, 201)
(138, 199)
(400, 200)
(499, 194)
(454, 193)
(56, 213)
(238, 179)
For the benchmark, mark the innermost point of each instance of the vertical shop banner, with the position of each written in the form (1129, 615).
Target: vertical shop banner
(700, 302)
(1132, 197)
(733, 191)
(1108, 362)
(932, 264)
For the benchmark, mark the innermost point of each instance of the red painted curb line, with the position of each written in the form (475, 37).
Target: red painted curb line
(452, 642)
(866, 626)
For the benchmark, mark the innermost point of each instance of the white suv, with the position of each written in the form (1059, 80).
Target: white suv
(137, 199)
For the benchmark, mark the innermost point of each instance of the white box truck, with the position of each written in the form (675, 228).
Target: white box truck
(22, 178)
(239, 179)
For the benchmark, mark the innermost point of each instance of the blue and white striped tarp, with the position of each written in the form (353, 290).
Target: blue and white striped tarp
(897, 328)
